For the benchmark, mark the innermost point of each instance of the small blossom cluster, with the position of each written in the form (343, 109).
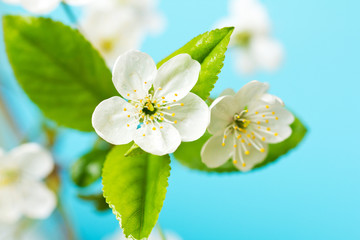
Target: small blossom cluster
(253, 46)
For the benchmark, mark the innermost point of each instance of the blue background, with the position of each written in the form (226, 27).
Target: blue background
(312, 193)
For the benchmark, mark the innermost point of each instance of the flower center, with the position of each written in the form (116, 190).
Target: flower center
(153, 110)
(243, 39)
(107, 45)
(8, 176)
(149, 108)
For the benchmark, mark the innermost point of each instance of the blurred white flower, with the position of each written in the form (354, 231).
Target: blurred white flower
(243, 124)
(19, 232)
(43, 6)
(158, 111)
(115, 26)
(21, 190)
(254, 47)
(155, 235)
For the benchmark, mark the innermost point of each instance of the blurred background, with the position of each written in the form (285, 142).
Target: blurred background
(311, 193)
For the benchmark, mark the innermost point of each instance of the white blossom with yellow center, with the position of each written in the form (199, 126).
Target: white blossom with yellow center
(157, 110)
(254, 47)
(243, 124)
(22, 191)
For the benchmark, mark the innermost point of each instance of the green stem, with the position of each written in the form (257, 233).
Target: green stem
(9, 118)
(70, 235)
(161, 233)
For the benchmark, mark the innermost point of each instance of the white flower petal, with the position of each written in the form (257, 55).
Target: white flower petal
(213, 154)
(33, 159)
(40, 6)
(251, 159)
(222, 114)
(133, 74)
(244, 62)
(10, 204)
(111, 122)
(78, 2)
(250, 16)
(37, 200)
(278, 133)
(192, 118)
(227, 91)
(284, 116)
(2, 152)
(250, 92)
(272, 99)
(177, 77)
(267, 52)
(12, 1)
(160, 141)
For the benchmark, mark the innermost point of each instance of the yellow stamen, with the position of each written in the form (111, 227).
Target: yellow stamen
(235, 145)
(268, 129)
(175, 121)
(173, 114)
(273, 113)
(267, 106)
(163, 97)
(182, 104)
(263, 139)
(154, 128)
(247, 153)
(168, 107)
(234, 161)
(262, 150)
(223, 144)
(244, 165)
(124, 109)
(276, 134)
(134, 90)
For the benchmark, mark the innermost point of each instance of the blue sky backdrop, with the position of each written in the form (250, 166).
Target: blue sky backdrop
(312, 193)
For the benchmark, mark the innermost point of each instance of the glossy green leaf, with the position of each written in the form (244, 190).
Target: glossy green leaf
(58, 69)
(135, 188)
(209, 50)
(188, 153)
(97, 199)
(88, 168)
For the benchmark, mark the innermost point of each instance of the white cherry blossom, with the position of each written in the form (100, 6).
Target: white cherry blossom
(43, 6)
(116, 26)
(243, 124)
(254, 48)
(22, 191)
(157, 110)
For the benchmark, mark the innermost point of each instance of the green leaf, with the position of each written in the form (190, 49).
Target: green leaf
(97, 199)
(58, 69)
(135, 188)
(188, 153)
(209, 50)
(88, 168)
